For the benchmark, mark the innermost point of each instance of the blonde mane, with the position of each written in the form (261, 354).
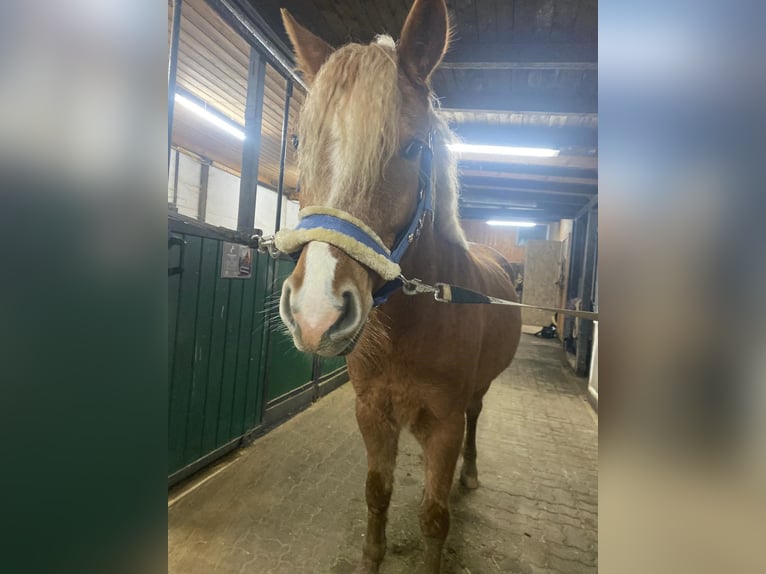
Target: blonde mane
(446, 217)
(350, 121)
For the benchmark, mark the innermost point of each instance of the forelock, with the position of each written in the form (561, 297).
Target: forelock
(351, 118)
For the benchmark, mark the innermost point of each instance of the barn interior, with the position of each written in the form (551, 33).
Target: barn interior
(518, 86)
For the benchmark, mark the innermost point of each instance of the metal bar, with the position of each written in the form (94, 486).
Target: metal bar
(204, 175)
(585, 332)
(272, 267)
(587, 207)
(577, 257)
(175, 178)
(232, 12)
(251, 148)
(185, 225)
(175, 33)
(283, 155)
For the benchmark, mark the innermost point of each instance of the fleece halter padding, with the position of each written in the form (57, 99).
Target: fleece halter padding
(355, 238)
(344, 231)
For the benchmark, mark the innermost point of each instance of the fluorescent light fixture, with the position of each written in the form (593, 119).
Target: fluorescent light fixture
(210, 117)
(503, 150)
(482, 201)
(511, 223)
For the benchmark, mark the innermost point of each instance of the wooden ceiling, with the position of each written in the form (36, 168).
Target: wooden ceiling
(212, 70)
(518, 72)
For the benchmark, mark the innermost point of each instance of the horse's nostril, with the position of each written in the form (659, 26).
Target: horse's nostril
(349, 317)
(286, 306)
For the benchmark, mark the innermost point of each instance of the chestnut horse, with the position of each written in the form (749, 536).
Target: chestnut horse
(414, 363)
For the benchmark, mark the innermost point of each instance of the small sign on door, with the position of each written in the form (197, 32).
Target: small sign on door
(237, 261)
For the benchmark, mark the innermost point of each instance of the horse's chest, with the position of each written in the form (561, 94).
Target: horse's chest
(409, 396)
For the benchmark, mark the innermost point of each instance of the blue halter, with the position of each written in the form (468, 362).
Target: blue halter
(405, 238)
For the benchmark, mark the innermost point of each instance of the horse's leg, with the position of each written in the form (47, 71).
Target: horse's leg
(469, 475)
(441, 442)
(381, 438)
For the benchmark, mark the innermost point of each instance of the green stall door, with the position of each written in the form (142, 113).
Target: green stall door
(216, 340)
(231, 364)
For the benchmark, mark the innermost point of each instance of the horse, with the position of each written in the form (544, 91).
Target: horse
(367, 134)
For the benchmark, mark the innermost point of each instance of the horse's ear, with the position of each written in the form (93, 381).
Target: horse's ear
(424, 39)
(311, 51)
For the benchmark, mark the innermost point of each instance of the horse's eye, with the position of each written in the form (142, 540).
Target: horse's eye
(412, 149)
(294, 139)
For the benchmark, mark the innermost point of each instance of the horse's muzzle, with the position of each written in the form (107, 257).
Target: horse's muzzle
(334, 330)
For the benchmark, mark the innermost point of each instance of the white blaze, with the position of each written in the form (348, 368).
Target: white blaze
(316, 296)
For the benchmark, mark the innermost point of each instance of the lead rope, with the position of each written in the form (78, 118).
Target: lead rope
(446, 293)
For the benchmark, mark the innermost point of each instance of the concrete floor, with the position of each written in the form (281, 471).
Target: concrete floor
(293, 502)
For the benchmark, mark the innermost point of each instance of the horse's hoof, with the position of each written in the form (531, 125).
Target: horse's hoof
(469, 481)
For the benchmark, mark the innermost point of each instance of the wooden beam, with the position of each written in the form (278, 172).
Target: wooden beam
(574, 161)
(574, 66)
(526, 136)
(509, 101)
(585, 181)
(509, 193)
(513, 170)
(565, 210)
(512, 181)
(461, 52)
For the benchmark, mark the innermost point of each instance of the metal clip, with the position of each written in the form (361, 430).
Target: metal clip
(266, 245)
(414, 286)
(442, 293)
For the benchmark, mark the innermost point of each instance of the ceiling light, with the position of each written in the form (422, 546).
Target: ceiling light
(210, 117)
(471, 201)
(511, 223)
(503, 150)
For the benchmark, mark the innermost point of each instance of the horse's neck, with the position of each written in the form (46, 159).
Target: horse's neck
(431, 258)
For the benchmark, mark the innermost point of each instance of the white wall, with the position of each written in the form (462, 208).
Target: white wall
(290, 214)
(188, 186)
(223, 197)
(265, 210)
